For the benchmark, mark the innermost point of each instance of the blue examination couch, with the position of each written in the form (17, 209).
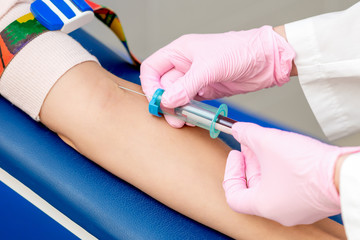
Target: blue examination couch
(103, 205)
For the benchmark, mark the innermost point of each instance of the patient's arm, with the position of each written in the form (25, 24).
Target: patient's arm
(181, 168)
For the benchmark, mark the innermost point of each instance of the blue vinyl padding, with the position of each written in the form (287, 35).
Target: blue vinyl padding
(103, 204)
(21, 220)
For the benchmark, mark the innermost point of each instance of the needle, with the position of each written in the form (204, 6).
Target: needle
(133, 91)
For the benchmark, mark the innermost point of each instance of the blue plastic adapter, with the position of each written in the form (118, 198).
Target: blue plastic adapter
(154, 105)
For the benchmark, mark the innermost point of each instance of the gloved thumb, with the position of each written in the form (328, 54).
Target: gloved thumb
(252, 135)
(238, 196)
(253, 171)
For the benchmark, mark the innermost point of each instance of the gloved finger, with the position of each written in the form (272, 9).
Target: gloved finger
(221, 89)
(174, 122)
(180, 62)
(167, 80)
(190, 125)
(170, 77)
(186, 87)
(253, 171)
(152, 69)
(216, 90)
(256, 137)
(238, 196)
(235, 171)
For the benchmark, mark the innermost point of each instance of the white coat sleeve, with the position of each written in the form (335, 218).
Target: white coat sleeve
(350, 195)
(328, 62)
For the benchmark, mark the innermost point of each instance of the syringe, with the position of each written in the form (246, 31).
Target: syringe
(196, 113)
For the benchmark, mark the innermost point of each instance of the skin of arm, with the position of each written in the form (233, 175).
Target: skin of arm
(281, 31)
(183, 168)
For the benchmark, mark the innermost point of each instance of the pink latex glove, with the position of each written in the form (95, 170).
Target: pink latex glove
(218, 65)
(282, 176)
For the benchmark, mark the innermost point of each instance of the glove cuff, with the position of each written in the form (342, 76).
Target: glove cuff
(332, 207)
(282, 53)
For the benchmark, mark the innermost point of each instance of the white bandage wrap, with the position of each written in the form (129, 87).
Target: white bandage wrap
(35, 69)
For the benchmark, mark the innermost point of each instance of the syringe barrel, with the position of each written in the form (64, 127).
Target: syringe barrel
(199, 114)
(196, 113)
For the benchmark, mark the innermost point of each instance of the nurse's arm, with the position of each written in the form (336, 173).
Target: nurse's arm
(281, 31)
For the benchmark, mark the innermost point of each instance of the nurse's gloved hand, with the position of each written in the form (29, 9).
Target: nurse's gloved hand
(218, 65)
(282, 176)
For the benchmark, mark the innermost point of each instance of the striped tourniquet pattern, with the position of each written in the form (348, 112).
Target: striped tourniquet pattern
(16, 35)
(26, 28)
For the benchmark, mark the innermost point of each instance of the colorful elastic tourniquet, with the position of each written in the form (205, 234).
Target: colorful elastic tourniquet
(110, 19)
(26, 28)
(16, 35)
